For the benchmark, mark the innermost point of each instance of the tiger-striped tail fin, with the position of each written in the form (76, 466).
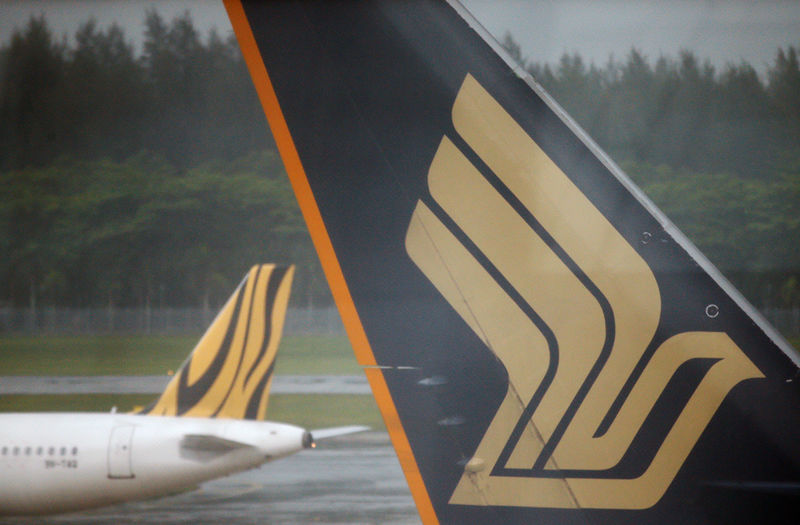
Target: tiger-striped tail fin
(229, 372)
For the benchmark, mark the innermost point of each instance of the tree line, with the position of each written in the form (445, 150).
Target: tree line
(144, 179)
(185, 98)
(683, 112)
(140, 232)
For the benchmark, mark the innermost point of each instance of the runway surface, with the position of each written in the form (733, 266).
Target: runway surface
(281, 384)
(349, 480)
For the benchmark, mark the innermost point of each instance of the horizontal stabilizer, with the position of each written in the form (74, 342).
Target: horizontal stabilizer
(209, 443)
(325, 433)
(206, 447)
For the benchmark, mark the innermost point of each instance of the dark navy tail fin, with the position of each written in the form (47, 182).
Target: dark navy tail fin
(544, 345)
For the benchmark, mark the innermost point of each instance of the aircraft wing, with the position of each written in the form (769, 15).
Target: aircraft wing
(544, 345)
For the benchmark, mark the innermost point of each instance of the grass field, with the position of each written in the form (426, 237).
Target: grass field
(309, 411)
(155, 355)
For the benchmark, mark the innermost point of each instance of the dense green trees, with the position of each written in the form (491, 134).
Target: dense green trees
(138, 180)
(140, 232)
(682, 112)
(150, 179)
(187, 99)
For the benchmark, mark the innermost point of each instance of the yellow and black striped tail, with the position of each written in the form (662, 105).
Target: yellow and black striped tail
(228, 374)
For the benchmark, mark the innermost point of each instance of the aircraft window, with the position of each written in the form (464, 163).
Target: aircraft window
(74, 451)
(16, 451)
(27, 451)
(63, 451)
(5, 450)
(51, 451)
(39, 451)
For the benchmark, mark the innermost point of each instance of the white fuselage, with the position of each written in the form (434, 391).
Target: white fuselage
(63, 462)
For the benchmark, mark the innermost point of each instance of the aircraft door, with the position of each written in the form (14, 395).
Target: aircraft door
(119, 452)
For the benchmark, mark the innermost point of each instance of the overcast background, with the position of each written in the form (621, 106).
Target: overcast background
(722, 31)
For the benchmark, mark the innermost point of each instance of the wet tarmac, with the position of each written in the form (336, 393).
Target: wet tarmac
(348, 480)
(281, 384)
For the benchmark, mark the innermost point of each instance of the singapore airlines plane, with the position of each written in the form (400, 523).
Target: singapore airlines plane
(208, 422)
(544, 345)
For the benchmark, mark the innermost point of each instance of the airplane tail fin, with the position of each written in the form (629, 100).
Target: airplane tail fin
(229, 372)
(544, 345)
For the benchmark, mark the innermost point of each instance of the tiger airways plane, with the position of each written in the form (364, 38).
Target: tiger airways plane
(208, 423)
(544, 345)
